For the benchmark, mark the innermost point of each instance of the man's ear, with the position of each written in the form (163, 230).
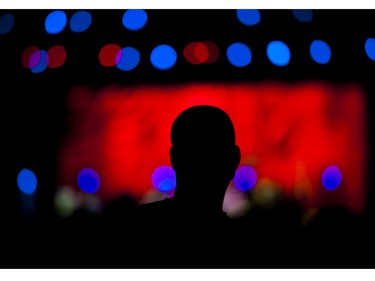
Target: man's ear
(235, 160)
(237, 155)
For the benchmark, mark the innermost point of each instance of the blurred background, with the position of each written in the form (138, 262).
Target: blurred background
(89, 97)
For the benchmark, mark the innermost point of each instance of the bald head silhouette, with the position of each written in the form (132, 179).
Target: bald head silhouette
(202, 126)
(204, 155)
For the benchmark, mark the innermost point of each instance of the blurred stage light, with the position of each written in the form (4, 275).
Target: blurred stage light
(245, 178)
(320, 51)
(27, 181)
(35, 58)
(88, 180)
(134, 19)
(6, 23)
(164, 179)
(42, 64)
(129, 58)
(189, 53)
(278, 53)
(201, 52)
(110, 55)
(65, 201)
(213, 51)
(303, 15)
(55, 22)
(163, 57)
(236, 204)
(248, 17)
(239, 54)
(80, 21)
(267, 193)
(331, 177)
(56, 56)
(92, 203)
(370, 48)
(30, 57)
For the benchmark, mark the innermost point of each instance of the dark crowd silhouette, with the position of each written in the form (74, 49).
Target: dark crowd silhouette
(190, 229)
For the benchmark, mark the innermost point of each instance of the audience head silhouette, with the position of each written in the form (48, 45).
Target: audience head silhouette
(204, 155)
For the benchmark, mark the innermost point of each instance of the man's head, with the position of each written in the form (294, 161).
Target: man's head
(203, 153)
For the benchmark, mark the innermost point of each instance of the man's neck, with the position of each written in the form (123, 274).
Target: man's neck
(197, 202)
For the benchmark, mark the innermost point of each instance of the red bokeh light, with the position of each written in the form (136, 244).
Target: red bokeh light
(289, 133)
(56, 56)
(213, 51)
(26, 56)
(189, 53)
(109, 55)
(201, 52)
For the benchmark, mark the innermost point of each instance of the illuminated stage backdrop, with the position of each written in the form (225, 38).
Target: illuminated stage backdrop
(292, 134)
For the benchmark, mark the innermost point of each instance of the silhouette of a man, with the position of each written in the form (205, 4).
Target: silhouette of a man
(191, 227)
(205, 157)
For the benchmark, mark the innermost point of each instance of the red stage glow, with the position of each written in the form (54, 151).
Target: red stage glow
(289, 133)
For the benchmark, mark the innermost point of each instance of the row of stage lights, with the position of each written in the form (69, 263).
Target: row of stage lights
(67, 200)
(132, 20)
(164, 57)
(163, 179)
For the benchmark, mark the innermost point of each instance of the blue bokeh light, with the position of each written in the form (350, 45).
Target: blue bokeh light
(6, 23)
(303, 15)
(278, 53)
(163, 57)
(130, 58)
(248, 17)
(42, 64)
(88, 180)
(239, 54)
(320, 51)
(55, 22)
(134, 19)
(164, 179)
(331, 177)
(370, 48)
(80, 21)
(27, 181)
(245, 178)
